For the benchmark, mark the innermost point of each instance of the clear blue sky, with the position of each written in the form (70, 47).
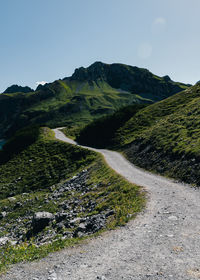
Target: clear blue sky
(43, 40)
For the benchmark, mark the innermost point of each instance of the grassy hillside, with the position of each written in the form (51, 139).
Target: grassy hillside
(180, 110)
(73, 184)
(164, 137)
(39, 164)
(102, 132)
(88, 94)
(62, 103)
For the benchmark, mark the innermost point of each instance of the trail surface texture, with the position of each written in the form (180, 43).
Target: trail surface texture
(163, 242)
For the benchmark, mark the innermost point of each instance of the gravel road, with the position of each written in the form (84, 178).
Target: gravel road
(163, 242)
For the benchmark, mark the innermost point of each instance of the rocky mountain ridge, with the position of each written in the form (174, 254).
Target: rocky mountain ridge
(129, 78)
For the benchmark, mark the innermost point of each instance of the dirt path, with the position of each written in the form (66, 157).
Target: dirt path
(163, 242)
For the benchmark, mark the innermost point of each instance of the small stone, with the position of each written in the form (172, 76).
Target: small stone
(11, 199)
(82, 227)
(109, 213)
(61, 216)
(3, 214)
(18, 205)
(4, 240)
(75, 221)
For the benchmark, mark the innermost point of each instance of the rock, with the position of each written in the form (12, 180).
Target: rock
(3, 214)
(82, 227)
(4, 240)
(75, 222)
(96, 223)
(11, 199)
(41, 220)
(13, 242)
(67, 234)
(109, 213)
(18, 205)
(60, 226)
(61, 216)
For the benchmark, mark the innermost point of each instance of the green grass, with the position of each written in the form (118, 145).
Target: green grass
(163, 137)
(109, 190)
(27, 252)
(42, 164)
(172, 124)
(176, 106)
(115, 193)
(102, 132)
(62, 103)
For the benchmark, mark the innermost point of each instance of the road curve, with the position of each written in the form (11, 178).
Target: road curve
(163, 242)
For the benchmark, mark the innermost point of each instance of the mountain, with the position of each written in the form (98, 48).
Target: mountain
(88, 94)
(128, 78)
(16, 88)
(162, 137)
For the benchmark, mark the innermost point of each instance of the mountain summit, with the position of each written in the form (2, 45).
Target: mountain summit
(129, 78)
(97, 70)
(16, 88)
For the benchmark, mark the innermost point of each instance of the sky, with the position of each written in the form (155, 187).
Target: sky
(44, 40)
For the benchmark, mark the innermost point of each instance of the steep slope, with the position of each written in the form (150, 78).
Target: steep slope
(162, 137)
(33, 160)
(165, 137)
(102, 132)
(88, 94)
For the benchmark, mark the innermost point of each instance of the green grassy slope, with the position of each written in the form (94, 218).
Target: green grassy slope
(180, 110)
(39, 165)
(102, 132)
(164, 137)
(88, 94)
(62, 103)
(34, 178)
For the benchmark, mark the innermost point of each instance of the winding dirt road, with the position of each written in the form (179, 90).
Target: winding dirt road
(163, 242)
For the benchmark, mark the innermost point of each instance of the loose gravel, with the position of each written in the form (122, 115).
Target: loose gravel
(163, 242)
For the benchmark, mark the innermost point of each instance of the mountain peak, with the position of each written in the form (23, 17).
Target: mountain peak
(97, 64)
(16, 88)
(95, 71)
(128, 78)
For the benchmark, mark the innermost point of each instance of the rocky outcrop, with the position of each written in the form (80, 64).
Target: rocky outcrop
(74, 217)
